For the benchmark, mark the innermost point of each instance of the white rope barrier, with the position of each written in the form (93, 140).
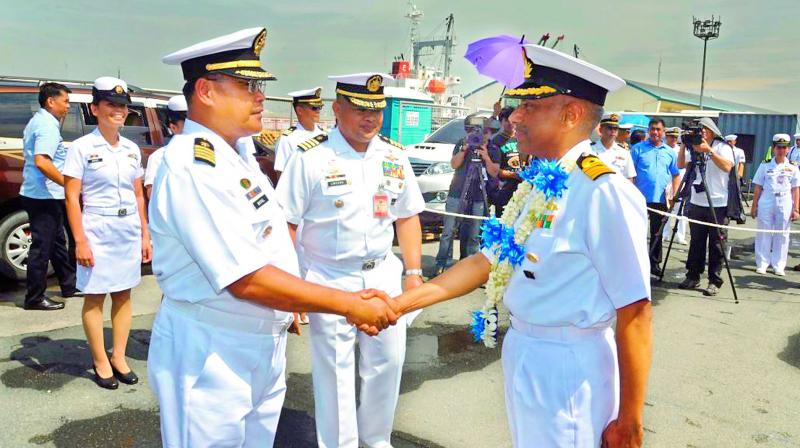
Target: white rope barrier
(663, 213)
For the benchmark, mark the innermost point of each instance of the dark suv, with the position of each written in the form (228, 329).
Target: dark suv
(18, 102)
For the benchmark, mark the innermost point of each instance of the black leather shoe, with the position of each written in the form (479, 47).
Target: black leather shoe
(127, 378)
(71, 294)
(711, 291)
(796, 268)
(44, 304)
(689, 284)
(106, 383)
(655, 271)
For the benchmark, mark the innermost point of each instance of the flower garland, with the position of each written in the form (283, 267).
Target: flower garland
(544, 184)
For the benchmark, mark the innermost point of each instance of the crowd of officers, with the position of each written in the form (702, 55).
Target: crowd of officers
(227, 244)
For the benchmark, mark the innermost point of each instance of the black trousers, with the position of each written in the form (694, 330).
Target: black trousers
(655, 236)
(49, 230)
(706, 240)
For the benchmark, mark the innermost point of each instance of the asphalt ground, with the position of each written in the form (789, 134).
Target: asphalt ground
(724, 374)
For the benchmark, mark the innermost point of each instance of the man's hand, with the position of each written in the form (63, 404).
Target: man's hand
(370, 311)
(295, 327)
(483, 152)
(622, 434)
(795, 215)
(702, 147)
(83, 254)
(754, 211)
(147, 249)
(412, 281)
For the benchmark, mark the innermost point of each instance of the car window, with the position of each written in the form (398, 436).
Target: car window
(135, 129)
(450, 133)
(71, 129)
(16, 109)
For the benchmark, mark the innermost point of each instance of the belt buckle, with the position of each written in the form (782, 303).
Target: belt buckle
(122, 212)
(368, 265)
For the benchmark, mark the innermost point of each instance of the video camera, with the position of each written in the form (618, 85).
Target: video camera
(477, 135)
(692, 134)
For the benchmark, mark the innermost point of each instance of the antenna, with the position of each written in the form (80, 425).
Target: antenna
(415, 15)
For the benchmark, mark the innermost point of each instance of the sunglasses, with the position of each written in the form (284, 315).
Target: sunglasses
(253, 85)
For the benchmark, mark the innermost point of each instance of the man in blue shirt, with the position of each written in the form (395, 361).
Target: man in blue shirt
(42, 194)
(656, 168)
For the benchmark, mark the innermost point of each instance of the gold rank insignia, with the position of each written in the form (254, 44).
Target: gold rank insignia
(528, 70)
(204, 151)
(374, 83)
(259, 42)
(592, 166)
(312, 142)
(386, 139)
(289, 130)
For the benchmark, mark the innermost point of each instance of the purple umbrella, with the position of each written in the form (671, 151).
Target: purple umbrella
(499, 58)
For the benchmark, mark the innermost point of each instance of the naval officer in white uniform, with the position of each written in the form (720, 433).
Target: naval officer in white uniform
(570, 380)
(105, 170)
(775, 206)
(306, 104)
(225, 262)
(347, 188)
(609, 151)
(176, 117)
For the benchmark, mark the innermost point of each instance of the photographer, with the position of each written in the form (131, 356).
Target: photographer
(503, 148)
(467, 193)
(708, 149)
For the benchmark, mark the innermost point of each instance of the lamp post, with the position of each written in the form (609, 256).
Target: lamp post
(705, 29)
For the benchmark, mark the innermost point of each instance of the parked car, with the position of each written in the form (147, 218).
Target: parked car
(431, 163)
(145, 126)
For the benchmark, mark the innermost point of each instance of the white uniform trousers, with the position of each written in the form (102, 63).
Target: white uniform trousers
(216, 386)
(774, 213)
(333, 364)
(561, 385)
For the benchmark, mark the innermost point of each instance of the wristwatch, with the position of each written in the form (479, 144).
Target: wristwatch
(409, 272)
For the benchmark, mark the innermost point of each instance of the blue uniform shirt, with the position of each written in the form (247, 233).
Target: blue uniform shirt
(655, 167)
(42, 136)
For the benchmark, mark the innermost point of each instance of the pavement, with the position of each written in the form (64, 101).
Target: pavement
(724, 374)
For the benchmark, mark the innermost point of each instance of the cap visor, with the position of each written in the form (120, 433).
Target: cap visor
(366, 104)
(115, 99)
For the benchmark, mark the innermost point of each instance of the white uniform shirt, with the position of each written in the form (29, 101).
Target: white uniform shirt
(716, 179)
(617, 158)
(212, 225)
(153, 162)
(593, 259)
(286, 146)
(777, 180)
(107, 174)
(738, 156)
(330, 188)
(794, 155)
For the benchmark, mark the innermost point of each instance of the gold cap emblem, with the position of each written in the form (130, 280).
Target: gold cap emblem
(374, 83)
(258, 44)
(614, 117)
(119, 89)
(528, 65)
(318, 93)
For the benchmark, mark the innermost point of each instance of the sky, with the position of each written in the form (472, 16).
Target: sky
(752, 62)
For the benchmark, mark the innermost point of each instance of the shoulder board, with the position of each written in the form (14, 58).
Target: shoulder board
(386, 139)
(312, 142)
(289, 130)
(266, 138)
(204, 151)
(592, 166)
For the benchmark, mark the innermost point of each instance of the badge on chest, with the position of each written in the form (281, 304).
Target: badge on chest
(254, 194)
(393, 179)
(335, 181)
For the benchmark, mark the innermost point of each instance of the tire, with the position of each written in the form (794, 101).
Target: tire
(14, 245)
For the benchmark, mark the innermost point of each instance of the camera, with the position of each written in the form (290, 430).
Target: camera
(692, 134)
(476, 136)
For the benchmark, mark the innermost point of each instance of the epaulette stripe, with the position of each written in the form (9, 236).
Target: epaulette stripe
(391, 142)
(592, 166)
(204, 151)
(312, 142)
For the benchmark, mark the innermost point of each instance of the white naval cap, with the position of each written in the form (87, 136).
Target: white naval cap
(549, 72)
(312, 97)
(781, 140)
(673, 132)
(236, 54)
(110, 89)
(626, 126)
(796, 136)
(364, 90)
(177, 103)
(730, 137)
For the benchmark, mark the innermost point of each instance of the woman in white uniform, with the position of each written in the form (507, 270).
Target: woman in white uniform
(775, 205)
(112, 240)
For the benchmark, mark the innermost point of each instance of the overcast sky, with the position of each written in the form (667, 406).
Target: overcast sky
(754, 61)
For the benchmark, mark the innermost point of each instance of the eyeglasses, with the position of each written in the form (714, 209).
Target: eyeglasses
(253, 85)
(315, 108)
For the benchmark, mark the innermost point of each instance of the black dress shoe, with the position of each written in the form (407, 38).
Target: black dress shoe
(106, 383)
(44, 304)
(689, 284)
(71, 294)
(127, 378)
(655, 271)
